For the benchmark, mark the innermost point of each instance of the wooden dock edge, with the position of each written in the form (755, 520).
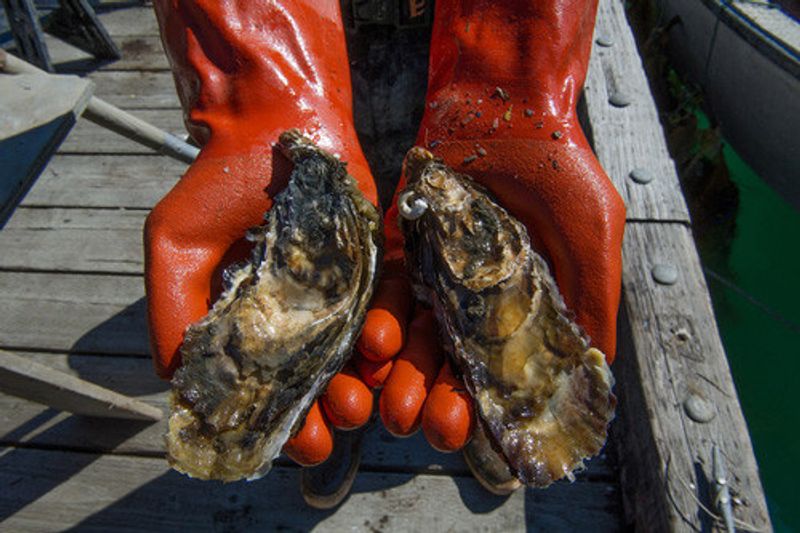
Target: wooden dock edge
(677, 396)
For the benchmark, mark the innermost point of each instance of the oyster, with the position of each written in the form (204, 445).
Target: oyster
(543, 394)
(284, 326)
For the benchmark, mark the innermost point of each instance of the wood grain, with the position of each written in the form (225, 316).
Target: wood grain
(671, 350)
(136, 89)
(73, 240)
(669, 344)
(630, 137)
(89, 138)
(133, 181)
(129, 20)
(139, 52)
(56, 490)
(70, 312)
(134, 376)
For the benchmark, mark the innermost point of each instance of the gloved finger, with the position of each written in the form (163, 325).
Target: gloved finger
(314, 442)
(448, 416)
(384, 329)
(412, 376)
(347, 402)
(374, 374)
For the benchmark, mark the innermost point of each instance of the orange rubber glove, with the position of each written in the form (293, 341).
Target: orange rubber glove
(245, 72)
(504, 81)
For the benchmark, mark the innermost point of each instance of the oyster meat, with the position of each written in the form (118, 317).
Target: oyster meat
(285, 324)
(543, 393)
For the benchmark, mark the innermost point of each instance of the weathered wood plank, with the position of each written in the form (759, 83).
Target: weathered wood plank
(671, 353)
(83, 313)
(128, 20)
(135, 89)
(628, 138)
(23, 377)
(70, 240)
(89, 138)
(139, 52)
(670, 347)
(105, 181)
(135, 377)
(59, 490)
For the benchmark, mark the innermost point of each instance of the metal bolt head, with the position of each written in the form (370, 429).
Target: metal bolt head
(619, 99)
(699, 409)
(641, 175)
(604, 40)
(665, 273)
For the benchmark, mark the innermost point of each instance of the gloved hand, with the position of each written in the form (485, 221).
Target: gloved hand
(245, 72)
(504, 80)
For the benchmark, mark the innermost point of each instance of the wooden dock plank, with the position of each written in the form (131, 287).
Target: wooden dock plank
(131, 20)
(139, 52)
(669, 345)
(29, 424)
(136, 89)
(133, 181)
(70, 240)
(631, 137)
(56, 490)
(135, 377)
(89, 138)
(671, 352)
(70, 312)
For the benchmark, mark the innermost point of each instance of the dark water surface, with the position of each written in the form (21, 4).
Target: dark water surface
(756, 295)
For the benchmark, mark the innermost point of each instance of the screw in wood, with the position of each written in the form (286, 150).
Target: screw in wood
(619, 99)
(604, 40)
(699, 409)
(665, 273)
(641, 175)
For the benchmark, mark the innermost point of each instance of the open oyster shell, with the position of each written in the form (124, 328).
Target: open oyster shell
(284, 326)
(543, 393)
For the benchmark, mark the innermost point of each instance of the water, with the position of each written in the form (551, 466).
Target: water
(755, 288)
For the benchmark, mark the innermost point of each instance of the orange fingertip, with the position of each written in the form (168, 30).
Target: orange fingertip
(374, 374)
(347, 401)
(412, 376)
(314, 442)
(449, 413)
(166, 368)
(383, 334)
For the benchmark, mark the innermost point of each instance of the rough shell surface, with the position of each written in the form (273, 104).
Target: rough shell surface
(284, 326)
(543, 393)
